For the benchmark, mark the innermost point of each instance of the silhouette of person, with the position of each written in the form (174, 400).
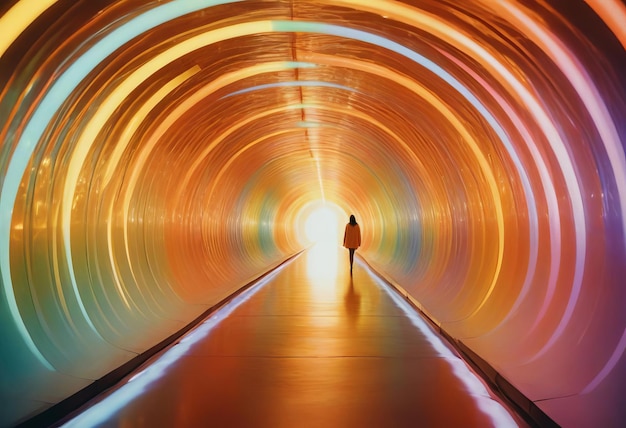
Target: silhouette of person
(352, 238)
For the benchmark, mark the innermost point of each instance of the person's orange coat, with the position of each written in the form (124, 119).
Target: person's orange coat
(352, 236)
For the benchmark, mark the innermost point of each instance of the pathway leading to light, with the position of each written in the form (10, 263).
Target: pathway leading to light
(309, 346)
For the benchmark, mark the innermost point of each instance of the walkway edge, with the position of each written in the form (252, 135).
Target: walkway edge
(525, 407)
(58, 413)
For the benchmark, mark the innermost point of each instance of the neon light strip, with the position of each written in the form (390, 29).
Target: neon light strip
(547, 185)
(613, 13)
(123, 142)
(310, 27)
(49, 105)
(298, 83)
(135, 386)
(606, 128)
(18, 18)
(197, 97)
(476, 389)
(430, 23)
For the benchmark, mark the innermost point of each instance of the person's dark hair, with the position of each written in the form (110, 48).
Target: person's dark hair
(352, 220)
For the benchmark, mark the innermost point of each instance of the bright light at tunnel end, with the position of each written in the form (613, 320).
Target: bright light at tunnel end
(322, 225)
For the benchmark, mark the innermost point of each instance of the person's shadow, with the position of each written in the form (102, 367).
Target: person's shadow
(352, 302)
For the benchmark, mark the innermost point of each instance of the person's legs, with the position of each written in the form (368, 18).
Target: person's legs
(351, 257)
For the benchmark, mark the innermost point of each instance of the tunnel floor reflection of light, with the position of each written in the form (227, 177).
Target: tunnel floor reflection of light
(499, 415)
(322, 268)
(99, 412)
(340, 332)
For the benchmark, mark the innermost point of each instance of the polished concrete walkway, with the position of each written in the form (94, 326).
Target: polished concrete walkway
(311, 347)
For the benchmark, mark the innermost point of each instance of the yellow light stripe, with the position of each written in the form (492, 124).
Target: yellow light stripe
(124, 140)
(18, 18)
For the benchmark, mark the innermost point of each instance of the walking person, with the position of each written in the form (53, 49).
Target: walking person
(352, 238)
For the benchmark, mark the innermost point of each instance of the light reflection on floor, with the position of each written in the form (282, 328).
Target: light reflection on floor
(322, 268)
(102, 408)
(475, 386)
(311, 343)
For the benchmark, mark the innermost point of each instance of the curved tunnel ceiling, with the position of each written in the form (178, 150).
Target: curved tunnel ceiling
(158, 155)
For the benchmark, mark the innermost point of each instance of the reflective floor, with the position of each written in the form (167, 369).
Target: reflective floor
(311, 346)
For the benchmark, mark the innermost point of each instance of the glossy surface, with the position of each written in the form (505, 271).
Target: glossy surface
(157, 155)
(312, 347)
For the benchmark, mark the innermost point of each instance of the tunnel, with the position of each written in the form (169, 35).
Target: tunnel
(159, 155)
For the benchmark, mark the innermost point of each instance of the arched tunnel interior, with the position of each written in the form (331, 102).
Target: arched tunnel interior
(158, 155)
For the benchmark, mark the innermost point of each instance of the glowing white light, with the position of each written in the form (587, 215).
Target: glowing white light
(322, 226)
(322, 269)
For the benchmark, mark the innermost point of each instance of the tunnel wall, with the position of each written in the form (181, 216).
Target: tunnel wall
(156, 157)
